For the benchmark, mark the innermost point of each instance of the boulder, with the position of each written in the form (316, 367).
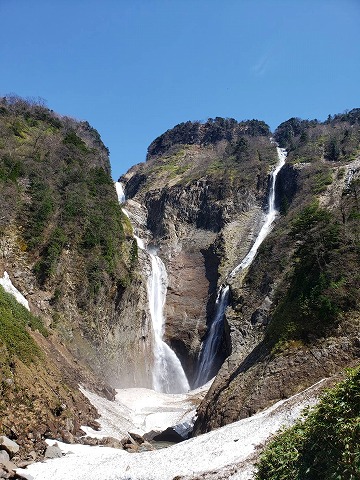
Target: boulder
(53, 451)
(138, 438)
(168, 435)
(9, 445)
(4, 456)
(8, 466)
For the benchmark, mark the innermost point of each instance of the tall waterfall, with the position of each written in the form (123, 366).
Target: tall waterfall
(213, 338)
(269, 218)
(168, 376)
(120, 192)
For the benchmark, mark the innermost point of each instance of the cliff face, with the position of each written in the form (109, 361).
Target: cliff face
(199, 199)
(290, 321)
(294, 317)
(69, 250)
(204, 201)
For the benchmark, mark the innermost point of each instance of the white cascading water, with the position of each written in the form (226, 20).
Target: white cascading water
(212, 342)
(120, 192)
(214, 335)
(168, 376)
(270, 216)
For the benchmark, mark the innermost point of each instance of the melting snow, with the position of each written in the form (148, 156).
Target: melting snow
(141, 410)
(9, 288)
(228, 452)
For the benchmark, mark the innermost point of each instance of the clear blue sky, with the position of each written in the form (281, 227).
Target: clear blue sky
(135, 68)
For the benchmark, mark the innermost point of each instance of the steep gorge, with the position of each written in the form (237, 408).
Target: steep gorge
(198, 200)
(204, 210)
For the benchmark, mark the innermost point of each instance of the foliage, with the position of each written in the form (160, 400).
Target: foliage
(211, 132)
(14, 320)
(50, 255)
(321, 179)
(74, 140)
(337, 139)
(324, 445)
(10, 169)
(322, 285)
(55, 182)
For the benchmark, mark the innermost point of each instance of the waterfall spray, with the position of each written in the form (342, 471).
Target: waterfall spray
(213, 338)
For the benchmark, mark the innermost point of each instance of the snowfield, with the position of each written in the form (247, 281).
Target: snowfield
(226, 453)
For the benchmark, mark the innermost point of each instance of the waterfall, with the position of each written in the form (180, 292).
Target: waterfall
(120, 192)
(212, 341)
(213, 338)
(168, 376)
(269, 218)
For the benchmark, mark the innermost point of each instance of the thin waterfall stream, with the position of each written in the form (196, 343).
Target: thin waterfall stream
(168, 376)
(212, 340)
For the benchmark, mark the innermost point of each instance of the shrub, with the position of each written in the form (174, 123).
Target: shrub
(324, 445)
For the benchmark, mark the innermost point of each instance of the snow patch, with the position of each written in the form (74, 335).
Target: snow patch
(9, 288)
(142, 410)
(228, 452)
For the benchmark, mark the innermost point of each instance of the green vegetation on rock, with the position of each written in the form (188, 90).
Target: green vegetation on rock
(325, 444)
(337, 139)
(15, 340)
(55, 182)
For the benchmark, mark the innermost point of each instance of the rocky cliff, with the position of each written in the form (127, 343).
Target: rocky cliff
(204, 187)
(293, 316)
(69, 249)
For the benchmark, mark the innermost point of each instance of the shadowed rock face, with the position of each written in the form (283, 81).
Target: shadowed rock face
(261, 379)
(282, 340)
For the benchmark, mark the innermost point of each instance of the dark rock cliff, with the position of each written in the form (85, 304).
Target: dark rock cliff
(294, 317)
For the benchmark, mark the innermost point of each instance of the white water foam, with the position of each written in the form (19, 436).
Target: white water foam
(168, 374)
(120, 192)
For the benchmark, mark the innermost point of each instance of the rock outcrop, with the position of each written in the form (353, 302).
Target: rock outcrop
(289, 322)
(204, 207)
(294, 317)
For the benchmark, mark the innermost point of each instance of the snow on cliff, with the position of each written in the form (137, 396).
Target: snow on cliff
(9, 288)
